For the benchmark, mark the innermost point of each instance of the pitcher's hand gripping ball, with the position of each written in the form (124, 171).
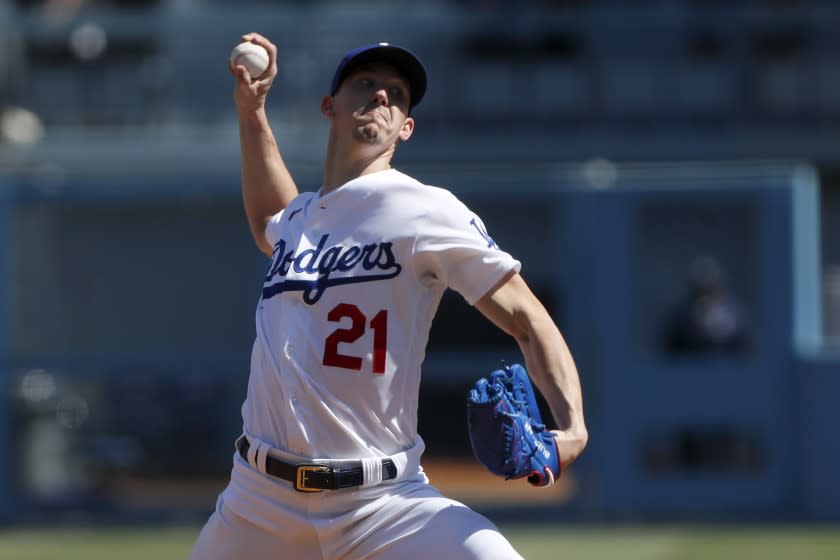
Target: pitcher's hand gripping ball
(506, 430)
(252, 56)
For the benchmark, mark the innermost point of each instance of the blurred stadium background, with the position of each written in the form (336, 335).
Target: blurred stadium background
(642, 158)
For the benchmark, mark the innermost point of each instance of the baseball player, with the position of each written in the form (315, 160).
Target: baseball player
(328, 465)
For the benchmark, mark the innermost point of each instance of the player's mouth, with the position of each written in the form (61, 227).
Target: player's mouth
(374, 115)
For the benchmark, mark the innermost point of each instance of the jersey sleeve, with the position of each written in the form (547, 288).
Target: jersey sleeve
(453, 247)
(275, 223)
(272, 228)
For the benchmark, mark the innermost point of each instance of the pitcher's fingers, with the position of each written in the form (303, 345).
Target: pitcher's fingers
(241, 74)
(270, 48)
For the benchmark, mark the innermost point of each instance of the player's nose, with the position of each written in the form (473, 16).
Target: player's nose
(381, 97)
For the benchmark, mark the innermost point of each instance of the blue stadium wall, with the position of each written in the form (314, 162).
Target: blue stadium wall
(159, 278)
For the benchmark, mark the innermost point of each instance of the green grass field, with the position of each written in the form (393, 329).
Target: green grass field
(536, 543)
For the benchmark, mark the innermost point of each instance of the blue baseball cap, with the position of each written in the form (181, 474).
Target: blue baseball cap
(405, 61)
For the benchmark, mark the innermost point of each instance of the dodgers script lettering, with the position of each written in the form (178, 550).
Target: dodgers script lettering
(331, 266)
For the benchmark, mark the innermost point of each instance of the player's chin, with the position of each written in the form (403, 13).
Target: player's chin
(371, 133)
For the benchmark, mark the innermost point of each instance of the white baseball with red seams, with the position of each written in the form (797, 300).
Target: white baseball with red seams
(252, 56)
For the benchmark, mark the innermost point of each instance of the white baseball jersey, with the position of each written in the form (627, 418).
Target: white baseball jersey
(342, 326)
(346, 307)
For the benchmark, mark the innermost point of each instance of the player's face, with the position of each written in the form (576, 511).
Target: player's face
(373, 101)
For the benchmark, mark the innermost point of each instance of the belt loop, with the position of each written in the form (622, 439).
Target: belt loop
(252, 452)
(261, 455)
(371, 471)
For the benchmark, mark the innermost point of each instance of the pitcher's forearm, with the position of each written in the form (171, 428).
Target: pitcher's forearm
(512, 307)
(552, 368)
(267, 185)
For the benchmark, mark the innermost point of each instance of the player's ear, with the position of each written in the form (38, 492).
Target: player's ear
(407, 129)
(327, 106)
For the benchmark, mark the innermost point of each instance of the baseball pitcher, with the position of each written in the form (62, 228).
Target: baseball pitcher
(328, 465)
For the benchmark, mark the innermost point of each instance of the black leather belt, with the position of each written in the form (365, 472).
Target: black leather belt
(315, 478)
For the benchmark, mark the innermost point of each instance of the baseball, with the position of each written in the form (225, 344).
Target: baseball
(252, 56)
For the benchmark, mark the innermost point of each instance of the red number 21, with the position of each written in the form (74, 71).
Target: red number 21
(358, 322)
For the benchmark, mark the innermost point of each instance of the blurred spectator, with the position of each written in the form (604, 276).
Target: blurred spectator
(709, 319)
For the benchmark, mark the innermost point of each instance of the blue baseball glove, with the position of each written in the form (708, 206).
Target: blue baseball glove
(506, 430)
